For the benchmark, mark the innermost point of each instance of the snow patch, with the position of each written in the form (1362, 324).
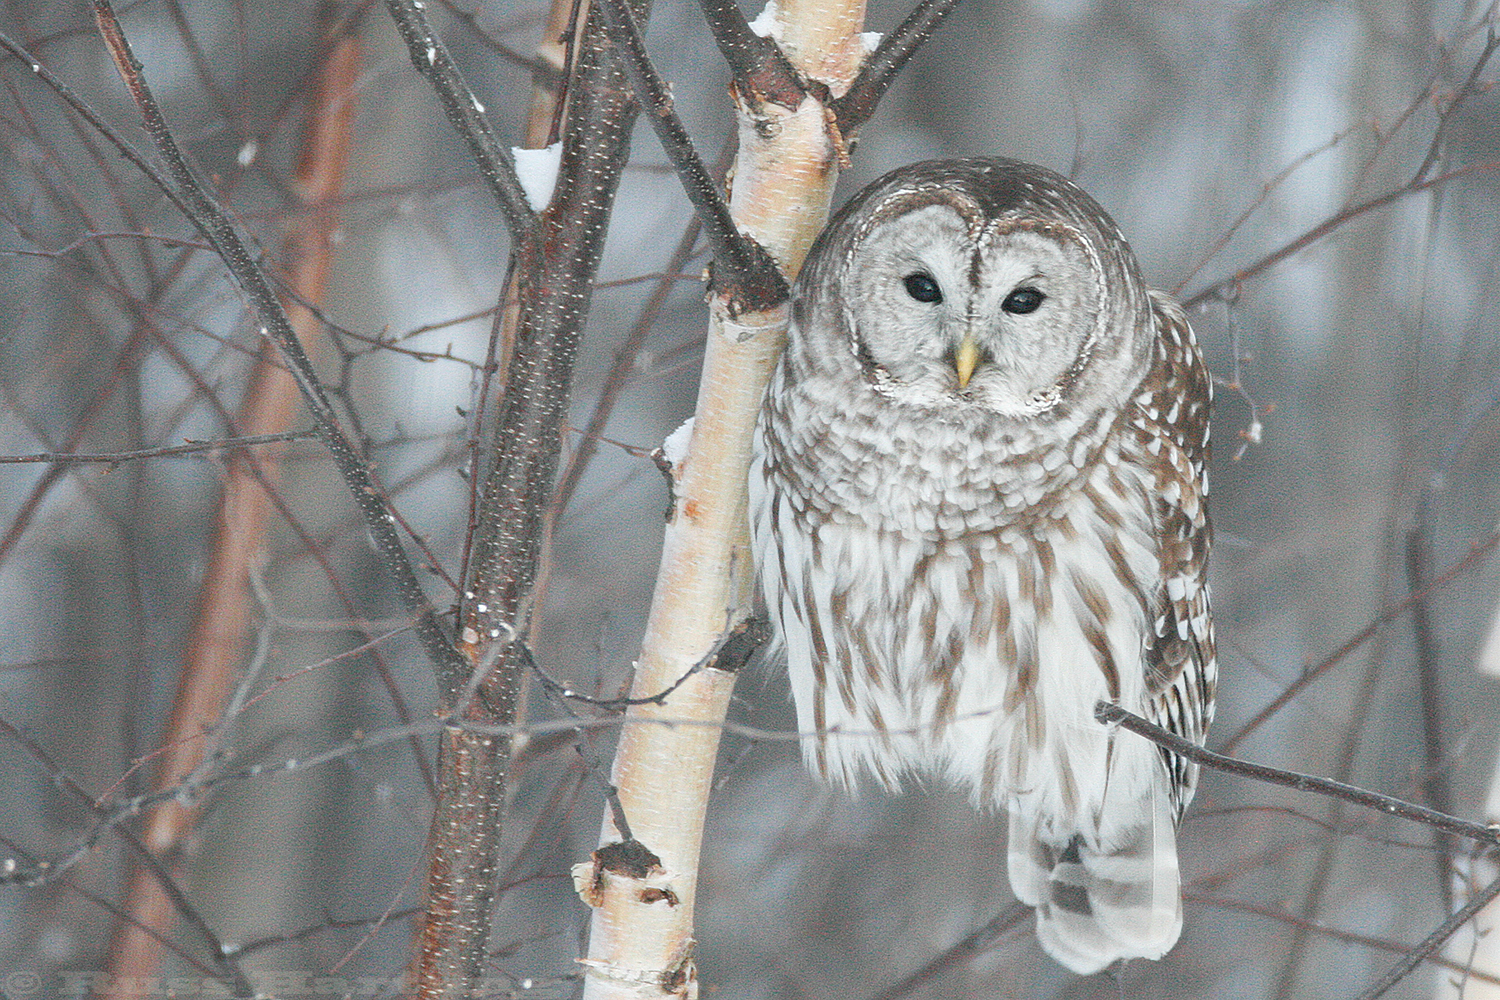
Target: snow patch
(870, 40)
(675, 448)
(536, 169)
(767, 23)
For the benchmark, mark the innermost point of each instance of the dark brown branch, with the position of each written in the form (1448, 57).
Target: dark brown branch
(430, 56)
(1433, 941)
(743, 272)
(761, 72)
(895, 50)
(1477, 553)
(1228, 285)
(555, 264)
(1114, 714)
(214, 223)
(191, 448)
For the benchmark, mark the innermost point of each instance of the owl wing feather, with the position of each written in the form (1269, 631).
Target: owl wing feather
(1181, 669)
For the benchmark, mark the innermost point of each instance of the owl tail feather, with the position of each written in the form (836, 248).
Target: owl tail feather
(1095, 906)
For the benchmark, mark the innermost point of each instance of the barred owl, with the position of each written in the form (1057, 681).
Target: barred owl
(977, 506)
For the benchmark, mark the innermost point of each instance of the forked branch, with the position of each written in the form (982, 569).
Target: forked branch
(761, 71)
(182, 187)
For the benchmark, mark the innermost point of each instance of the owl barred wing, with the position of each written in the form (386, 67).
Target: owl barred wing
(1103, 898)
(977, 510)
(1172, 424)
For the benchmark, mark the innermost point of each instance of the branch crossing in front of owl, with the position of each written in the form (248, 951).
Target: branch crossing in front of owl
(978, 507)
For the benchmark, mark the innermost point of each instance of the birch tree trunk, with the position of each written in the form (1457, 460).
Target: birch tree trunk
(642, 886)
(1477, 944)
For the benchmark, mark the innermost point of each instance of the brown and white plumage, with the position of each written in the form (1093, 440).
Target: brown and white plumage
(978, 509)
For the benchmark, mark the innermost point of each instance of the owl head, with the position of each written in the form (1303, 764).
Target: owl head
(981, 285)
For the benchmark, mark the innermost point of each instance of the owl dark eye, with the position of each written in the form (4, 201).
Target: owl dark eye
(923, 287)
(1021, 301)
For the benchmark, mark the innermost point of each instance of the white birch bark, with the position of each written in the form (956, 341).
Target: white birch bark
(641, 938)
(1477, 943)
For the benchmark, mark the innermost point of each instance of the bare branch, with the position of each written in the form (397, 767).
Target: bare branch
(191, 448)
(430, 56)
(1477, 553)
(1114, 714)
(856, 106)
(1336, 933)
(1432, 942)
(624, 363)
(1228, 285)
(555, 263)
(215, 225)
(1469, 87)
(227, 967)
(761, 72)
(743, 272)
(971, 946)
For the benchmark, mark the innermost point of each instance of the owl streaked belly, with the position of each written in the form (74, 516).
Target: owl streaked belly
(976, 655)
(978, 510)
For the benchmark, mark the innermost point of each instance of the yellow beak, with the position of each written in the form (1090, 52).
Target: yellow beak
(965, 358)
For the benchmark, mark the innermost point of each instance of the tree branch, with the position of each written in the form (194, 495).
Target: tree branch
(743, 272)
(555, 264)
(1114, 714)
(1432, 942)
(213, 222)
(430, 56)
(895, 50)
(190, 448)
(761, 71)
(1477, 553)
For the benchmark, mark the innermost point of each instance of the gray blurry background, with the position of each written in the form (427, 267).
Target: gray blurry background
(1374, 350)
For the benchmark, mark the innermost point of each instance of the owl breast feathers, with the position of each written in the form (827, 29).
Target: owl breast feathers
(977, 505)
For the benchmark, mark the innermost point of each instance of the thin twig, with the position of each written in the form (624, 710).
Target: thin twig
(1335, 933)
(1466, 89)
(215, 225)
(730, 653)
(959, 952)
(536, 67)
(1327, 226)
(626, 357)
(1477, 553)
(1114, 714)
(1435, 787)
(191, 448)
(1433, 941)
(228, 967)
